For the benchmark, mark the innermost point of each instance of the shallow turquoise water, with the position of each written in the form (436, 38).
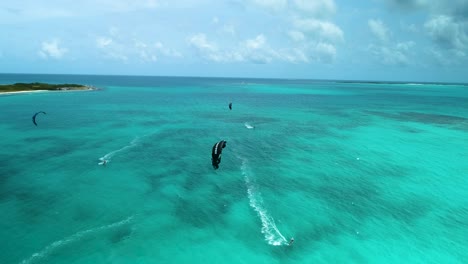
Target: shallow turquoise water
(355, 172)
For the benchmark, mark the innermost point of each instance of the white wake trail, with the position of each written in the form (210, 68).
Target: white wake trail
(73, 238)
(272, 234)
(248, 126)
(107, 158)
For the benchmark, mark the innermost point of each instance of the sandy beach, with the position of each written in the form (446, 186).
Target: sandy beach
(89, 88)
(21, 92)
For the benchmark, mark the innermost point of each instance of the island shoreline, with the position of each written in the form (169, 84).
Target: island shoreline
(88, 88)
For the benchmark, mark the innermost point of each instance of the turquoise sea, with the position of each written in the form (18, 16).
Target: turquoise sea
(356, 172)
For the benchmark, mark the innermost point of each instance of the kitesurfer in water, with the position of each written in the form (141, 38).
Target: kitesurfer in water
(291, 241)
(230, 106)
(216, 153)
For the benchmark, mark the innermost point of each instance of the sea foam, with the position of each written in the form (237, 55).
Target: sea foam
(71, 239)
(248, 126)
(107, 158)
(272, 234)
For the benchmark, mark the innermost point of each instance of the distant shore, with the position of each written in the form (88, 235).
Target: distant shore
(19, 88)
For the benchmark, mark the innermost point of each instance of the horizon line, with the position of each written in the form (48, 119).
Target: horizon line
(251, 78)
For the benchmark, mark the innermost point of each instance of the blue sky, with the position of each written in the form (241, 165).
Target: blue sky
(394, 40)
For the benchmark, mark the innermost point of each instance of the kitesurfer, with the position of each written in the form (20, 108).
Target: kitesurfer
(34, 117)
(230, 106)
(291, 241)
(216, 153)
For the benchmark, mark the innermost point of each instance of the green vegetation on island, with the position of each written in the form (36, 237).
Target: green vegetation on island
(36, 86)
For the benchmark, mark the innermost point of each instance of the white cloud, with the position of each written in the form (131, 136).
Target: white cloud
(117, 46)
(405, 46)
(153, 52)
(209, 50)
(393, 54)
(446, 25)
(304, 21)
(113, 45)
(379, 30)
(200, 42)
(256, 43)
(320, 29)
(295, 55)
(117, 49)
(145, 52)
(317, 8)
(254, 50)
(111, 48)
(388, 51)
(102, 42)
(447, 32)
(168, 52)
(257, 50)
(316, 38)
(275, 5)
(205, 48)
(52, 49)
(296, 35)
(324, 52)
